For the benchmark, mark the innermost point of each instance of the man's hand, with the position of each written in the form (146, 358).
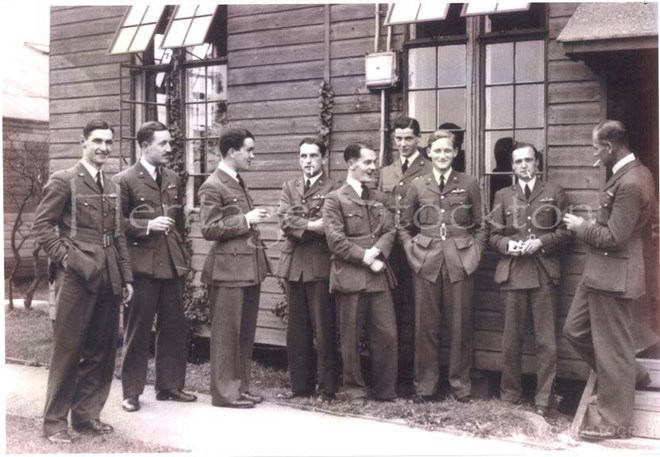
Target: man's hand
(257, 215)
(127, 294)
(160, 224)
(316, 226)
(370, 255)
(514, 248)
(572, 221)
(377, 266)
(531, 246)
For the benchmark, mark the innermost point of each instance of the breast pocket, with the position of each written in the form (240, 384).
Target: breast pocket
(459, 210)
(87, 210)
(354, 221)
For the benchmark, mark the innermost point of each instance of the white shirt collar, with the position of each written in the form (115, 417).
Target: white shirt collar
(355, 184)
(437, 175)
(626, 160)
(91, 169)
(313, 179)
(530, 183)
(231, 172)
(150, 168)
(411, 158)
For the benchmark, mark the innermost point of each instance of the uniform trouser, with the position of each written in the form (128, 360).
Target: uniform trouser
(404, 308)
(84, 347)
(599, 327)
(233, 326)
(163, 297)
(432, 301)
(377, 310)
(311, 319)
(542, 302)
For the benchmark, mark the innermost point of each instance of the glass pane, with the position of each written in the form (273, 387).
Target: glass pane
(197, 33)
(481, 7)
(529, 106)
(422, 106)
(535, 137)
(510, 5)
(530, 61)
(433, 11)
(499, 63)
(498, 147)
(451, 106)
(217, 87)
(421, 68)
(200, 52)
(162, 109)
(153, 13)
(135, 15)
(451, 65)
(196, 120)
(177, 33)
(185, 10)
(196, 149)
(217, 113)
(499, 107)
(196, 84)
(142, 38)
(404, 12)
(212, 155)
(124, 40)
(205, 8)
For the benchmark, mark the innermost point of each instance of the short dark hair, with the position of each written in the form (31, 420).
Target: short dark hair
(233, 138)
(146, 131)
(439, 134)
(318, 142)
(405, 122)
(522, 145)
(353, 150)
(613, 131)
(96, 124)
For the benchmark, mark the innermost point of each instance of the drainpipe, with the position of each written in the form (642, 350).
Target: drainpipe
(383, 100)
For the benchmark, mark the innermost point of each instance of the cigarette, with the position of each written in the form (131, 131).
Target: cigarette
(596, 163)
(529, 175)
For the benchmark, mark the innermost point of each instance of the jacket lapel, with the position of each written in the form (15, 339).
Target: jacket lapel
(316, 186)
(454, 182)
(537, 191)
(416, 167)
(87, 178)
(619, 174)
(145, 177)
(431, 184)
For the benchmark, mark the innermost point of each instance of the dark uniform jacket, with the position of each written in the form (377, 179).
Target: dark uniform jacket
(614, 263)
(237, 257)
(514, 218)
(157, 254)
(305, 255)
(353, 225)
(89, 228)
(395, 183)
(443, 227)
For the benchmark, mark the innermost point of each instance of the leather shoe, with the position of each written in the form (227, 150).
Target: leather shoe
(464, 399)
(175, 395)
(240, 403)
(252, 397)
(327, 398)
(62, 437)
(599, 433)
(419, 399)
(93, 426)
(292, 395)
(542, 411)
(130, 404)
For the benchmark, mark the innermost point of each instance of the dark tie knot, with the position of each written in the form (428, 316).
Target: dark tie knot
(528, 191)
(159, 177)
(99, 181)
(404, 166)
(240, 180)
(365, 192)
(442, 183)
(308, 184)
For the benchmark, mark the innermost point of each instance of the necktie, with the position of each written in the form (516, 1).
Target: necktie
(308, 184)
(99, 183)
(159, 178)
(404, 166)
(365, 192)
(528, 192)
(240, 181)
(442, 183)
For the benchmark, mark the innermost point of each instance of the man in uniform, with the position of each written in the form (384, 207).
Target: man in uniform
(599, 322)
(152, 206)
(305, 265)
(234, 270)
(360, 233)
(525, 229)
(79, 227)
(395, 179)
(443, 240)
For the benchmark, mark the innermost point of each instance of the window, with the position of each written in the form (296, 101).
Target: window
(137, 29)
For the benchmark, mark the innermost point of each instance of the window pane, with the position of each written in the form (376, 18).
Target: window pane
(510, 5)
(535, 137)
(142, 38)
(529, 106)
(499, 63)
(530, 60)
(499, 107)
(421, 68)
(498, 149)
(217, 118)
(196, 150)
(135, 15)
(451, 106)
(197, 33)
(124, 39)
(196, 84)
(196, 120)
(200, 52)
(404, 12)
(205, 8)
(432, 11)
(217, 87)
(177, 33)
(153, 13)
(422, 106)
(481, 7)
(451, 65)
(185, 10)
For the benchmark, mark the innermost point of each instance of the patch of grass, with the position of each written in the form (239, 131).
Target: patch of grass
(28, 335)
(21, 286)
(24, 437)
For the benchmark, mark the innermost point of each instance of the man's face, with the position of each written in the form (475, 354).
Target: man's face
(311, 160)
(603, 151)
(364, 169)
(158, 152)
(97, 147)
(406, 141)
(524, 163)
(442, 154)
(243, 156)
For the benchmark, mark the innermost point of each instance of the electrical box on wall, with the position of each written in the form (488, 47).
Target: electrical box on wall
(381, 70)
